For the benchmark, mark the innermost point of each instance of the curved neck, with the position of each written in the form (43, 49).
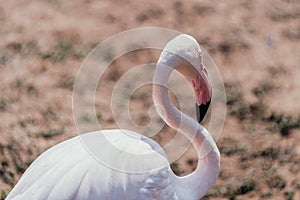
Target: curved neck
(196, 184)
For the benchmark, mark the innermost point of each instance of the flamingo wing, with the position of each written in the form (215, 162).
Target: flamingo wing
(69, 171)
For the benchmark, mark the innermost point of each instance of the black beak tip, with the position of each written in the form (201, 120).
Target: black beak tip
(201, 111)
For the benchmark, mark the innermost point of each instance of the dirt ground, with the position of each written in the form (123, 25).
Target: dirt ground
(255, 44)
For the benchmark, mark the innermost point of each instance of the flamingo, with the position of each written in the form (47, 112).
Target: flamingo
(69, 171)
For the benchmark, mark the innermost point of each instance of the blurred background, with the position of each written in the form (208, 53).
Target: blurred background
(255, 44)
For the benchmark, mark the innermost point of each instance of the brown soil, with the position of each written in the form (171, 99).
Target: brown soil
(255, 44)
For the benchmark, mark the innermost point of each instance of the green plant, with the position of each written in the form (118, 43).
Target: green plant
(99, 117)
(80, 54)
(50, 113)
(235, 101)
(216, 191)
(176, 169)
(26, 122)
(15, 47)
(229, 191)
(60, 51)
(148, 14)
(89, 118)
(292, 33)
(277, 71)
(269, 152)
(264, 88)
(19, 83)
(289, 195)
(258, 110)
(233, 188)
(240, 110)
(234, 93)
(282, 15)
(266, 195)
(32, 90)
(143, 120)
(106, 53)
(20, 166)
(225, 47)
(30, 48)
(203, 10)
(3, 194)
(232, 150)
(3, 59)
(55, 2)
(276, 181)
(3, 104)
(8, 177)
(284, 123)
(66, 81)
(245, 187)
(52, 132)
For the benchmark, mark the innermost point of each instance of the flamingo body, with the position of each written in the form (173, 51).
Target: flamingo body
(69, 171)
(121, 164)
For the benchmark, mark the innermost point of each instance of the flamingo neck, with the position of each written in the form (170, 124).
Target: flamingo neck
(196, 184)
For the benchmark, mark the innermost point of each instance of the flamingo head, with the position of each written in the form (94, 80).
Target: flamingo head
(202, 91)
(188, 60)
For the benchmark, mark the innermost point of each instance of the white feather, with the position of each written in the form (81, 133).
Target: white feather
(69, 171)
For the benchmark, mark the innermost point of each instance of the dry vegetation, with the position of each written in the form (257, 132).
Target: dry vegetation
(254, 43)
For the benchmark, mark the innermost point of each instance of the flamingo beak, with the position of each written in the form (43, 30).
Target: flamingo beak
(201, 110)
(203, 102)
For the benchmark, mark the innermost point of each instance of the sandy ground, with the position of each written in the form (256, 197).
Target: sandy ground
(255, 44)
